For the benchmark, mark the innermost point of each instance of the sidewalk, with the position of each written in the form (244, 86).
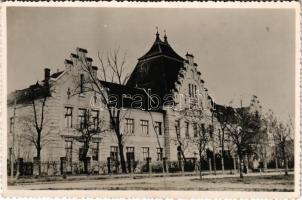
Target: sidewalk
(70, 178)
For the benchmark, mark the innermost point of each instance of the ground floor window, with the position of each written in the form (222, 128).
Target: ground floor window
(68, 150)
(130, 153)
(95, 151)
(159, 154)
(114, 153)
(146, 153)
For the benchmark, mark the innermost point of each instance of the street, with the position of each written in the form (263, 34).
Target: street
(251, 182)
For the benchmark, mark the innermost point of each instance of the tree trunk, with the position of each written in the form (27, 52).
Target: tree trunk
(285, 161)
(121, 152)
(86, 147)
(264, 160)
(214, 156)
(222, 158)
(241, 168)
(200, 156)
(276, 163)
(222, 164)
(39, 158)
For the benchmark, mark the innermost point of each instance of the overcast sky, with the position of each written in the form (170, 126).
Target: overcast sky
(239, 52)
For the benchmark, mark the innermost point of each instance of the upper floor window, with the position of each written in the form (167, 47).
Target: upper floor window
(11, 124)
(158, 128)
(192, 90)
(129, 126)
(195, 129)
(95, 118)
(177, 127)
(81, 118)
(68, 117)
(145, 127)
(81, 83)
(187, 133)
(113, 122)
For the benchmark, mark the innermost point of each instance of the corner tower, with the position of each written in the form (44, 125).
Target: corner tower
(157, 69)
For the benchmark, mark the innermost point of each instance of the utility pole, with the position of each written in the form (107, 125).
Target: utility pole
(13, 142)
(214, 154)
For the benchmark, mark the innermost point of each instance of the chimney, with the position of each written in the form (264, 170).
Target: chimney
(68, 64)
(82, 53)
(94, 71)
(46, 76)
(190, 58)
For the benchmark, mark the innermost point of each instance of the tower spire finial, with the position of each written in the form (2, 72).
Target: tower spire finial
(165, 36)
(157, 34)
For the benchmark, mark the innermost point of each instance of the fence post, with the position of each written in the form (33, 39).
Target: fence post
(210, 165)
(109, 165)
(165, 167)
(182, 166)
(149, 165)
(36, 167)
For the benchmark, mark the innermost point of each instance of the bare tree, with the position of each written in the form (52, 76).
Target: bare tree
(113, 69)
(90, 127)
(222, 114)
(242, 129)
(35, 122)
(201, 126)
(283, 138)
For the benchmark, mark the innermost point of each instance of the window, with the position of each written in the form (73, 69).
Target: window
(130, 153)
(130, 149)
(187, 133)
(129, 129)
(177, 127)
(95, 118)
(111, 122)
(113, 153)
(68, 117)
(211, 130)
(159, 152)
(203, 129)
(81, 83)
(81, 118)
(192, 90)
(11, 124)
(95, 151)
(145, 127)
(81, 154)
(158, 128)
(68, 150)
(146, 153)
(195, 130)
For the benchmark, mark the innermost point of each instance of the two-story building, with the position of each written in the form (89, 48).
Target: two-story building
(148, 131)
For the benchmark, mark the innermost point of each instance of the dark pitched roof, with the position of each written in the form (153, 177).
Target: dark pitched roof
(161, 48)
(158, 69)
(224, 113)
(128, 97)
(25, 96)
(56, 75)
(35, 91)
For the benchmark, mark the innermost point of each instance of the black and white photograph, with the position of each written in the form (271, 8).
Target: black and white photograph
(156, 98)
